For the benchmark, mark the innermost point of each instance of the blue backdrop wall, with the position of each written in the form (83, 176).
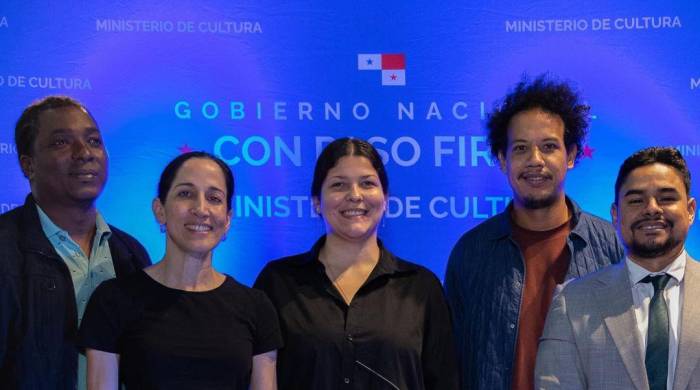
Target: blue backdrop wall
(265, 85)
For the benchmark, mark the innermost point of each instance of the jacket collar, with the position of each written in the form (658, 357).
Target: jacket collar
(503, 224)
(31, 235)
(32, 238)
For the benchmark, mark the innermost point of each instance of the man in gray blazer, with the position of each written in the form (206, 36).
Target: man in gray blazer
(635, 324)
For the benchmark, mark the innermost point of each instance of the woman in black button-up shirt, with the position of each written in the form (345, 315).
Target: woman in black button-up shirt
(353, 315)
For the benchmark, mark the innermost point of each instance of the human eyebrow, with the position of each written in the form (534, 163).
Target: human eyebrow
(669, 190)
(59, 131)
(216, 189)
(633, 192)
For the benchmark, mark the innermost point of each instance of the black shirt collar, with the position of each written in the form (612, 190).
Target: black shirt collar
(388, 264)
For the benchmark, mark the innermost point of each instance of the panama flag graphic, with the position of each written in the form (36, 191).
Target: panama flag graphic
(392, 67)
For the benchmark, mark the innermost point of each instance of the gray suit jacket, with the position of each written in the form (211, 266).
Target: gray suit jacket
(590, 338)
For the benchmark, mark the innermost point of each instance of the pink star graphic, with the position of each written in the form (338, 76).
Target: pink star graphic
(588, 151)
(393, 77)
(184, 149)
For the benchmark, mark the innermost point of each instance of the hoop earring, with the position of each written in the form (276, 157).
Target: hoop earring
(163, 228)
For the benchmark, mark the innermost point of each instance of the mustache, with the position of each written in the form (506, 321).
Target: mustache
(546, 175)
(636, 223)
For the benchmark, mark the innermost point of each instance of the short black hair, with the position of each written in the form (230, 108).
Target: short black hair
(27, 126)
(346, 147)
(652, 155)
(552, 96)
(170, 171)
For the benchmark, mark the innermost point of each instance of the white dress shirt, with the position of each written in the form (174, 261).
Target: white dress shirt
(673, 295)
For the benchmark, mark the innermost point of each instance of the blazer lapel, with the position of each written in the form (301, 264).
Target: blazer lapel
(689, 340)
(615, 301)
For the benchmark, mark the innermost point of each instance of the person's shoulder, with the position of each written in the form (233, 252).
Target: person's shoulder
(595, 222)
(584, 286)
(10, 222)
(287, 263)
(115, 290)
(417, 271)
(125, 237)
(231, 285)
(486, 230)
(128, 242)
(239, 292)
(11, 231)
(479, 240)
(12, 214)
(133, 281)
(599, 233)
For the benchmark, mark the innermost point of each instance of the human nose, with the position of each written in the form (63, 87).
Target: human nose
(535, 158)
(81, 150)
(354, 193)
(200, 207)
(652, 207)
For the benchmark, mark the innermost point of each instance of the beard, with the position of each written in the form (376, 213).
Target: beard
(533, 203)
(649, 249)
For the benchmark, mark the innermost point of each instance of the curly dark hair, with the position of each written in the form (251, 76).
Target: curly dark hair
(552, 96)
(653, 155)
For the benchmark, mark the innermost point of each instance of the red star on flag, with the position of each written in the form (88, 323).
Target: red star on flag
(392, 66)
(588, 151)
(184, 149)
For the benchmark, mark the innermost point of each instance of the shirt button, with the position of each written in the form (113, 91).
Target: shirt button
(349, 338)
(512, 326)
(346, 380)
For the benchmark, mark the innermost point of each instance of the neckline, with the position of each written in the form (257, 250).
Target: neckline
(180, 291)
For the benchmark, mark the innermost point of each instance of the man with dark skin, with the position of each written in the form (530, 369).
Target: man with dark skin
(501, 274)
(56, 248)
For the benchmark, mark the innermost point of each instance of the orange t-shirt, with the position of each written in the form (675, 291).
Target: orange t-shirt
(546, 262)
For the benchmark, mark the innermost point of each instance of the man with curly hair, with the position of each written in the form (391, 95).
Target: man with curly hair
(502, 274)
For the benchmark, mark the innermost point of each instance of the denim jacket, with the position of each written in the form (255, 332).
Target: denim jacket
(38, 314)
(484, 285)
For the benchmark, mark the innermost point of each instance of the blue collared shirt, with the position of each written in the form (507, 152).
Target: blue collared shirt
(484, 286)
(87, 272)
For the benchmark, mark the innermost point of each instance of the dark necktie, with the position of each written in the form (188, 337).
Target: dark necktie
(656, 359)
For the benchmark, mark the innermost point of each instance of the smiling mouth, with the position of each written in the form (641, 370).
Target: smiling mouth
(535, 178)
(651, 225)
(84, 175)
(353, 213)
(198, 227)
